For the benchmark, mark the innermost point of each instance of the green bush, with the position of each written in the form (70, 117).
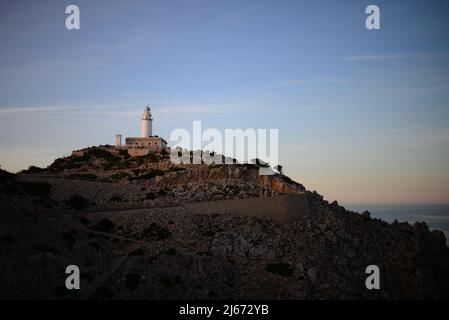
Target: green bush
(116, 199)
(132, 280)
(176, 169)
(104, 225)
(137, 172)
(37, 188)
(149, 158)
(87, 276)
(102, 293)
(170, 252)
(83, 158)
(68, 236)
(150, 196)
(6, 176)
(64, 163)
(156, 232)
(150, 174)
(124, 153)
(119, 176)
(170, 283)
(136, 253)
(78, 202)
(84, 221)
(103, 154)
(32, 169)
(7, 238)
(47, 248)
(282, 269)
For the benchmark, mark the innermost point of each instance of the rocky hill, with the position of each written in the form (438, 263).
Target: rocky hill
(146, 228)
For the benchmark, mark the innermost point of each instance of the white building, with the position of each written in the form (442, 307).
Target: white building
(146, 143)
(146, 128)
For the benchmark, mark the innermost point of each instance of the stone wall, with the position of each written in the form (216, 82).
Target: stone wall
(284, 208)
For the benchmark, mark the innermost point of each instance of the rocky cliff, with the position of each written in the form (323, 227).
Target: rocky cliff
(124, 221)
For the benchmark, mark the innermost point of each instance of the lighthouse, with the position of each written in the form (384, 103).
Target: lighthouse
(146, 123)
(146, 143)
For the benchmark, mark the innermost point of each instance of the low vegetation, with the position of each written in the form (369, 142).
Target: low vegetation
(282, 269)
(33, 169)
(78, 202)
(120, 176)
(104, 225)
(156, 232)
(132, 280)
(149, 174)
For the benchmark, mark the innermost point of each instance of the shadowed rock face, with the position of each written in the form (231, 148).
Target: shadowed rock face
(200, 232)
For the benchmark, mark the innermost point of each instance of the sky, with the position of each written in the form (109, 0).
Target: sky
(363, 115)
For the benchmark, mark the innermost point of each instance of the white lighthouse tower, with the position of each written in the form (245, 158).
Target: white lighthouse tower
(147, 123)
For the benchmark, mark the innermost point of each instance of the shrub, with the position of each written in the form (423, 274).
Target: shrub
(156, 232)
(84, 221)
(102, 293)
(104, 225)
(176, 169)
(47, 248)
(136, 253)
(116, 199)
(62, 163)
(124, 153)
(103, 154)
(68, 236)
(169, 283)
(83, 158)
(150, 174)
(60, 292)
(7, 238)
(87, 276)
(132, 280)
(151, 158)
(282, 269)
(6, 176)
(150, 196)
(119, 176)
(170, 252)
(33, 169)
(209, 234)
(137, 172)
(36, 188)
(95, 245)
(78, 202)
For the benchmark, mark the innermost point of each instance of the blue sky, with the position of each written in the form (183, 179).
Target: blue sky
(363, 115)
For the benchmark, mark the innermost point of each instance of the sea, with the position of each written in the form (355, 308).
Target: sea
(435, 215)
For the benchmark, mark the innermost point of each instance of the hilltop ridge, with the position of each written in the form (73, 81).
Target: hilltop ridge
(143, 227)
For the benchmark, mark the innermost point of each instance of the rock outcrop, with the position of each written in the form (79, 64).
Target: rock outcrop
(127, 223)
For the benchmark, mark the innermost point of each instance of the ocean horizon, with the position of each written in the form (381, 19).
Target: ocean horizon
(436, 216)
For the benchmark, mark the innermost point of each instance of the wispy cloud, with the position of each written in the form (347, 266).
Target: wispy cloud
(175, 110)
(396, 56)
(33, 110)
(295, 82)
